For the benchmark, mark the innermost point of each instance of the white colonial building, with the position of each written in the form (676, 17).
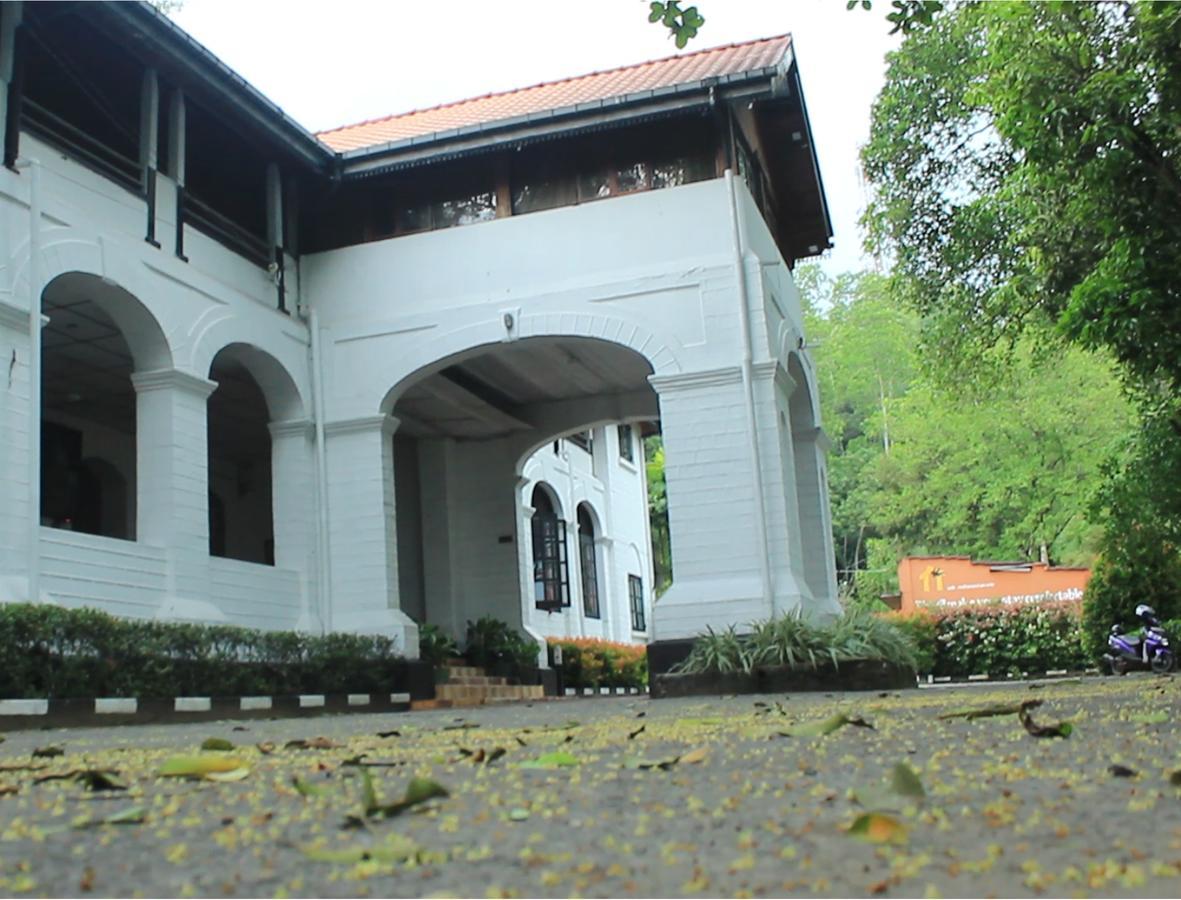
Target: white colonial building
(255, 375)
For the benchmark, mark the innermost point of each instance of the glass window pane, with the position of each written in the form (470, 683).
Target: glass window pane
(544, 193)
(633, 177)
(414, 217)
(464, 210)
(593, 186)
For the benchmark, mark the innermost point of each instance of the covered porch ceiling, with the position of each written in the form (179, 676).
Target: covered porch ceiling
(497, 392)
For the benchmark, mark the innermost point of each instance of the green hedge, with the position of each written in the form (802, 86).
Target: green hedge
(53, 652)
(1001, 640)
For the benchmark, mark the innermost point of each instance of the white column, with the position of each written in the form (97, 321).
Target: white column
(15, 396)
(363, 536)
(717, 544)
(810, 445)
(172, 477)
(293, 512)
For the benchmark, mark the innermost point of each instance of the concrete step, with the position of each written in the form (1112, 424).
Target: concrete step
(477, 679)
(479, 693)
(463, 671)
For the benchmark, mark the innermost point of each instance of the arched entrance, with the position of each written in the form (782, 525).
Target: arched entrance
(97, 336)
(253, 394)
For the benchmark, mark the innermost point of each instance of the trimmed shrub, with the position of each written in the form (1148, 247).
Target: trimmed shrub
(435, 646)
(496, 646)
(1000, 640)
(53, 652)
(593, 663)
(921, 629)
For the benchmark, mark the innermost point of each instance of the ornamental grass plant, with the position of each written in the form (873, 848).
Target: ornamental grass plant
(794, 642)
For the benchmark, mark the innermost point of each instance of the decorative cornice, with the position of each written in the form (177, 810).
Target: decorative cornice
(362, 425)
(173, 379)
(13, 316)
(292, 428)
(690, 381)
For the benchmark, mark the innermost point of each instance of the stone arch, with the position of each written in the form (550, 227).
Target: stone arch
(804, 403)
(139, 326)
(283, 398)
(429, 356)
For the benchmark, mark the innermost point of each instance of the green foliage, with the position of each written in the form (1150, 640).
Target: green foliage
(53, 652)
(435, 645)
(588, 662)
(494, 644)
(905, 15)
(921, 631)
(1003, 466)
(1025, 161)
(658, 512)
(1000, 640)
(796, 643)
(1135, 569)
(683, 24)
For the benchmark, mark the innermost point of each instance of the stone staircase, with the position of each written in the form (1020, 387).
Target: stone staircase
(470, 686)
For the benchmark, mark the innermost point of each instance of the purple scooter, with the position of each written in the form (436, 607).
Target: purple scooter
(1147, 650)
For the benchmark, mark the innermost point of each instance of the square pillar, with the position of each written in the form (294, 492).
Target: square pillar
(363, 535)
(720, 550)
(294, 513)
(15, 395)
(172, 484)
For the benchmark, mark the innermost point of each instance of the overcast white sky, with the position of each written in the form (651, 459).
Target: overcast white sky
(332, 63)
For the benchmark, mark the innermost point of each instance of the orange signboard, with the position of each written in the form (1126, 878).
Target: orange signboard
(950, 582)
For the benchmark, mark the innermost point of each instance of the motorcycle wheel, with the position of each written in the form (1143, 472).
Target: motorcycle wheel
(1119, 666)
(1163, 662)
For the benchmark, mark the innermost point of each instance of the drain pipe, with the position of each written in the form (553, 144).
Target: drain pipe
(322, 544)
(748, 387)
(34, 473)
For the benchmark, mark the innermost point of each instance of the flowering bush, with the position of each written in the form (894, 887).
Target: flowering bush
(998, 640)
(589, 662)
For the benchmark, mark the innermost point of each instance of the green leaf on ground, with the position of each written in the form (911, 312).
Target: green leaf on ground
(214, 743)
(905, 781)
(1150, 718)
(996, 709)
(1058, 729)
(48, 752)
(820, 728)
(212, 767)
(132, 815)
(559, 759)
(307, 789)
(878, 829)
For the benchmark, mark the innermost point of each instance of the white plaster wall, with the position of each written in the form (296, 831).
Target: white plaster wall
(616, 491)
(92, 226)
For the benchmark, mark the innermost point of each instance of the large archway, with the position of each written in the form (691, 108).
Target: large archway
(97, 336)
(468, 542)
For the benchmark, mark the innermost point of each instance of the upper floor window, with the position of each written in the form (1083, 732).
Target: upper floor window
(626, 444)
(583, 439)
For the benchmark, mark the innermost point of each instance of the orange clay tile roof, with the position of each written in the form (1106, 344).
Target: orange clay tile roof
(683, 69)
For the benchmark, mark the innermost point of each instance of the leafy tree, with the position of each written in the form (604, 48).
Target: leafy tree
(1025, 158)
(1025, 162)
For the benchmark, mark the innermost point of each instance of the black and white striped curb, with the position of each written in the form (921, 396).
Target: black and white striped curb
(604, 691)
(47, 713)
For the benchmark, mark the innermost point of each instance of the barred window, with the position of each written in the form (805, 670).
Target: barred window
(635, 590)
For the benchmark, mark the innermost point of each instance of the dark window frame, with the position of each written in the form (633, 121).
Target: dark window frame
(626, 440)
(588, 561)
(635, 593)
(551, 567)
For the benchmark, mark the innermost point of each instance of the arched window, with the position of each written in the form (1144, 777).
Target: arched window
(551, 571)
(587, 557)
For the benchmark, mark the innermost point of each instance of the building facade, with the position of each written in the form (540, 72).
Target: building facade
(260, 376)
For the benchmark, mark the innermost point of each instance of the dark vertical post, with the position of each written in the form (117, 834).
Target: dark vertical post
(275, 231)
(11, 78)
(176, 163)
(149, 130)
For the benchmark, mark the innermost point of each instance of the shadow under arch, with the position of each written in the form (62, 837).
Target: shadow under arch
(253, 392)
(98, 335)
